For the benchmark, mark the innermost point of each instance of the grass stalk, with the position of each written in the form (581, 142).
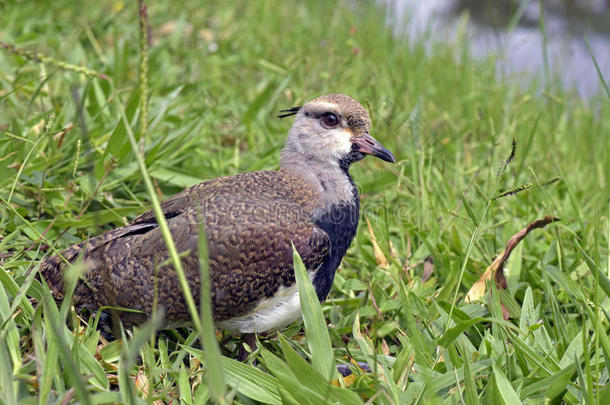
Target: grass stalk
(42, 58)
(144, 41)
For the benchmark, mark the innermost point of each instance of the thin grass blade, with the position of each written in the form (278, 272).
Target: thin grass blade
(318, 339)
(212, 356)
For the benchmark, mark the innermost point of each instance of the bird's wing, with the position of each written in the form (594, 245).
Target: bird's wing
(251, 254)
(250, 237)
(52, 267)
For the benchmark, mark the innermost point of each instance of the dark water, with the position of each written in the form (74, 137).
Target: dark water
(512, 30)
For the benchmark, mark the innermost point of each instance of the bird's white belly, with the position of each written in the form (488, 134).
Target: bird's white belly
(272, 313)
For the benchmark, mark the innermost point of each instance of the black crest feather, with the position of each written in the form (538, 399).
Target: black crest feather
(289, 112)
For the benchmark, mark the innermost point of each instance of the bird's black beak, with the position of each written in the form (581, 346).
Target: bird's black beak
(371, 146)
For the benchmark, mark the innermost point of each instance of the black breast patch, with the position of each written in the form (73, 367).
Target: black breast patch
(340, 223)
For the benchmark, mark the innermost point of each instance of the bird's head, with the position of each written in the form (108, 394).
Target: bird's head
(333, 128)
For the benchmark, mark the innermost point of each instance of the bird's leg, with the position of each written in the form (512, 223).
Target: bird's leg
(345, 370)
(106, 326)
(250, 340)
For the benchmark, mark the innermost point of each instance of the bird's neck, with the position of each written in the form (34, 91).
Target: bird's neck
(331, 179)
(337, 215)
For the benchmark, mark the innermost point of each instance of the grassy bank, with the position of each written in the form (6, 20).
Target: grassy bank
(218, 74)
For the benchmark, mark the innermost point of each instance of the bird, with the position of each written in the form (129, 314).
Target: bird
(251, 221)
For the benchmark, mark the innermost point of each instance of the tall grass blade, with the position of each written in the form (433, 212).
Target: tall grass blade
(246, 379)
(470, 389)
(505, 389)
(131, 349)
(604, 281)
(8, 386)
(597, 68)
(212, 356)
(318, 339)
(160, 218)
(56, 328)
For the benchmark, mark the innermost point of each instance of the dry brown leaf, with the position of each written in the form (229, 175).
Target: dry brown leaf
(68, 397)
(478, 289)
(170, 27)
(505, 312)
(38, 127)
(428, 269)
(393, 251)
(141, 382)
(206, 34)
(385, 349)
(379, 256)
(347, 380)
(59, 136)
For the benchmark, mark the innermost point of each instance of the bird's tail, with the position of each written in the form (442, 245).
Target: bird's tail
(52, 268)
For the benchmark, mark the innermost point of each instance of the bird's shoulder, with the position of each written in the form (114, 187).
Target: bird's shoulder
(253, 192)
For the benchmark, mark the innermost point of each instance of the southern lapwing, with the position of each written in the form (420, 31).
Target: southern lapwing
(250, 221)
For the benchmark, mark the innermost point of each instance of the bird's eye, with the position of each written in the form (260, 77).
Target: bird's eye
(329, 120)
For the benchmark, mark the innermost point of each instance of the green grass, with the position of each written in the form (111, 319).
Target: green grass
(218, 74)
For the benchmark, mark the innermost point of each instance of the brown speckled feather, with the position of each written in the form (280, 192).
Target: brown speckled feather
(250, 221)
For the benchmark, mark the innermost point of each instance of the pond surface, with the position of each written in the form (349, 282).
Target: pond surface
(513, 30)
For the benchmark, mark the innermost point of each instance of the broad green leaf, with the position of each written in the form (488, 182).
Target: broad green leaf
(309, 378)
(184, 386)
(470, 389)
(318, 339)
(552, 385)
(528, 315)
(108, 397)
(10, 332)
(18, 293)
(574, 350)
(112, 351)
(289, 387)
(202, 394)
(130, 349)
(88, 363)
(454, 332)
(56, 329)
(604, 281)
(246, 379)
(118, 144)
(470, 212)
(9, 387)
(302, 370)
(506, 390)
